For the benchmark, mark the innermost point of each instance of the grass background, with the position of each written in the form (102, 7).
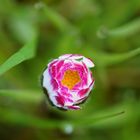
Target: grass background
(32, 33)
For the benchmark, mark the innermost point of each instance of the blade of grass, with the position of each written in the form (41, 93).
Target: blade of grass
(108, 59)
(112, 59)
(122, 31)
(56, 19)
(89, 121)
(28, 96)
(25, 53)
(32, 96)
(17, 118)
(126, 30)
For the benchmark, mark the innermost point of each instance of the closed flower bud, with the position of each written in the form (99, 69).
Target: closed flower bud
(68, 81)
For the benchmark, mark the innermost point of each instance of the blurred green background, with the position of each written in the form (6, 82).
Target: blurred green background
(107, 31)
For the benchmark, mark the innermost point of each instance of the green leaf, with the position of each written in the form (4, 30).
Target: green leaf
(25, 53)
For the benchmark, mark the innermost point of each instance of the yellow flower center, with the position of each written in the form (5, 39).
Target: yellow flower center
(70, 79)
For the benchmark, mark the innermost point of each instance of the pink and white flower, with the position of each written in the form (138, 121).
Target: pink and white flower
(68, 81)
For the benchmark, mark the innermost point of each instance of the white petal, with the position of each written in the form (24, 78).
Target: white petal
(64, 56)
(75, 56)
(68, 103)
(88, 62)
(75, 96)
(47, 85)
(71, 56)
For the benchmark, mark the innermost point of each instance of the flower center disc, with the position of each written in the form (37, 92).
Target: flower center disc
(70, 79)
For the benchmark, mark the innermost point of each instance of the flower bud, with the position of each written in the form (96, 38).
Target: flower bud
(68, 81)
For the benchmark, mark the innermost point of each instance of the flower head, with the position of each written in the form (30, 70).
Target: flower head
(68, 80)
